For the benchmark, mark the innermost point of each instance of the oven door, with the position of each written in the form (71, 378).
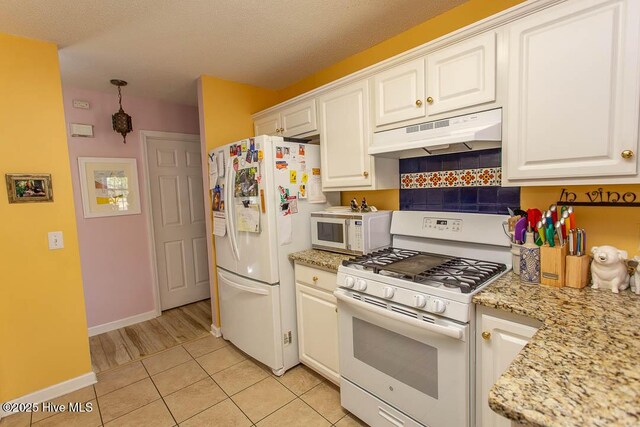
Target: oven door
(330, 233)
(416, 363)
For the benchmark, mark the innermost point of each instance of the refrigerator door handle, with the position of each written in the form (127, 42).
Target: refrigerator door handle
(231, 283)
(229, 203)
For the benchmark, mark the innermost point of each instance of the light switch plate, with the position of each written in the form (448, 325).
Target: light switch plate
(56, 241)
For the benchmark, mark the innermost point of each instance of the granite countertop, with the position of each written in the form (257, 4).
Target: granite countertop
(318, 258)
(582, 367)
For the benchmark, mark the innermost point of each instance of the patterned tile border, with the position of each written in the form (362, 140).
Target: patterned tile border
(482, 177)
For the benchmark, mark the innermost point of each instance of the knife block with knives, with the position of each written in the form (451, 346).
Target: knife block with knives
(553, 265)
(577, 271)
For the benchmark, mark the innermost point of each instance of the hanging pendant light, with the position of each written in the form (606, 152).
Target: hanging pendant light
(121, 121)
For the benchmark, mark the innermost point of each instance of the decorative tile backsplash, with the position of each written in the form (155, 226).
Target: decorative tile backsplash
(460, 182)
(484, 177)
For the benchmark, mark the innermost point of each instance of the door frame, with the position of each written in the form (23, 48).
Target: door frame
(146, 194)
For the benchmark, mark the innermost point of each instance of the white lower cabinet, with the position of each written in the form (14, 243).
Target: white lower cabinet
(499, 338)
(317, 313)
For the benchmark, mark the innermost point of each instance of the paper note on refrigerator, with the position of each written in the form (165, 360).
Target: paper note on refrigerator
(285, 229)
(314, 189)
(213, 169)
(219, 224)
(248, 218)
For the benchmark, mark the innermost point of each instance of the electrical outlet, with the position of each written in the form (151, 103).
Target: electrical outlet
(56, 241)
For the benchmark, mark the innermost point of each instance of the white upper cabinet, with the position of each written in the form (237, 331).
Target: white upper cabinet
(344, 136)
(573, 94)
(300, 118)
(399, 93)
(462, 75)
(297, 119)
(267, 125)
(456, 77)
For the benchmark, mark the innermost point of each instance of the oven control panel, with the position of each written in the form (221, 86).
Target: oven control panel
(442, 224)
(407, 297)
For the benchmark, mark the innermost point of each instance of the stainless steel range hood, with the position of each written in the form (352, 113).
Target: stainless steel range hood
(477, 131)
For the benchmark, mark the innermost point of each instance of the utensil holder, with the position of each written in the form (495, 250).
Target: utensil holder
(577, 271)
(552, 265)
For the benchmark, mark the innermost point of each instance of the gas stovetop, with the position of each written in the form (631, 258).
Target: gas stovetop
(459, 274)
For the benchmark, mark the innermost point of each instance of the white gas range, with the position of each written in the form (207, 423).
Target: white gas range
(406, 321)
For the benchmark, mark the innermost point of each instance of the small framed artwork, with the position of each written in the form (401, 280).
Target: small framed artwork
(109, 186)
(29, 188)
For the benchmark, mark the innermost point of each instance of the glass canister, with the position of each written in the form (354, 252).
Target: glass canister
(530, 261)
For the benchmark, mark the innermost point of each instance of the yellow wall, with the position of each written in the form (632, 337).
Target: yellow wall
(225, 115)
(616, 226)
(43, 330)
(227, 108)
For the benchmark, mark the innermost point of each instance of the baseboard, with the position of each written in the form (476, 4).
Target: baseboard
(54, 391)
(127, 321)
(216, 331)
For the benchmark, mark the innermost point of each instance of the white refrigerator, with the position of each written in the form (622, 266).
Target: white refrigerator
(267, 188)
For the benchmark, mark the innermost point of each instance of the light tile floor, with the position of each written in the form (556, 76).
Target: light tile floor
(206, 382)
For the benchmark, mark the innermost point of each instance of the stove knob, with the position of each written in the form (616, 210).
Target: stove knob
(362, 285)
(436, 306)
(349, 282)
(388, 292)
(419, 301)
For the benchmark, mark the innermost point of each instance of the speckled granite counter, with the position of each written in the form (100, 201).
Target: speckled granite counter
(582, 367)
(322, 259)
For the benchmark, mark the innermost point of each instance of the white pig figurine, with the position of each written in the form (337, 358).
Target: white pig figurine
(608, 269)
(635, 279)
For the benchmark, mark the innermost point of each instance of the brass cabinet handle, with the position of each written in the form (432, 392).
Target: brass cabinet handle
(336, 309)
(486, 335)
(430, 100)
(418, 103)
(627, 154)
(315, 278)
(365, 173)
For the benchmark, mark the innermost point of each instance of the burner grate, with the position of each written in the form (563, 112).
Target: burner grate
(464, 274)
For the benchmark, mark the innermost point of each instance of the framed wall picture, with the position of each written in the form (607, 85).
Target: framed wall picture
(109, 186)
(29, 188)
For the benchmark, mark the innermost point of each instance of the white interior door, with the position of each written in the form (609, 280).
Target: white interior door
(175, 179)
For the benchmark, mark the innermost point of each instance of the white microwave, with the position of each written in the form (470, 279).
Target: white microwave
(351, 232)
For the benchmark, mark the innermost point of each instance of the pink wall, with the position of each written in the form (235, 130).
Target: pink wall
(114, 251)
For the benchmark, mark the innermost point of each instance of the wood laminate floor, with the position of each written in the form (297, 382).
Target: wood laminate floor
(172, 328)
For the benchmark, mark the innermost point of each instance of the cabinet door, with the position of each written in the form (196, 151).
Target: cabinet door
(498, 351)
(462, 75)
(299, 118)
(573, 93)
(399, 93)
(344, 136)
(267, 125)
(318, 330)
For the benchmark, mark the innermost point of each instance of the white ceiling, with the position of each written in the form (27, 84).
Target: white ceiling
(162, 46)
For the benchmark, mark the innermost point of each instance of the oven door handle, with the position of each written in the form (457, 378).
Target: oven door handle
(449, 331)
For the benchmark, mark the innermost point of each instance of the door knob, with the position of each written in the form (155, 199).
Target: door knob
(486, 335)
(418, 103)
(430, 100)
(315, 278)
(627, 154)
(365, 173)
